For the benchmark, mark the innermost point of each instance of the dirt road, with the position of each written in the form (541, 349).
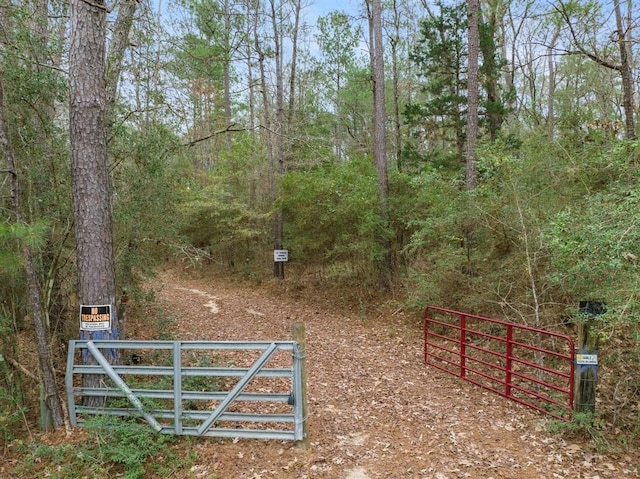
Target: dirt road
(375, 410)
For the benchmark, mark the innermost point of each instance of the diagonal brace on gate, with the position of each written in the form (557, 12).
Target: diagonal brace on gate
(102, 361)
(235, 392)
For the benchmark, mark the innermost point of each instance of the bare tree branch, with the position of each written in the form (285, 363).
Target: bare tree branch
(229, 128)
(581, 50)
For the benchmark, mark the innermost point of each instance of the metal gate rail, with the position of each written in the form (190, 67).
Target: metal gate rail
(531, 366)
(186, 399)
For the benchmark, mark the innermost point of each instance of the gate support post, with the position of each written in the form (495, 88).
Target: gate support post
(587, 366)
(299, 336)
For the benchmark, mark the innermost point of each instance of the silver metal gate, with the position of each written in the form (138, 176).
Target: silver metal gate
(198, 388)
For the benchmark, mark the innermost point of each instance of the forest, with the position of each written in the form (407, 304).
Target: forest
(477, 155)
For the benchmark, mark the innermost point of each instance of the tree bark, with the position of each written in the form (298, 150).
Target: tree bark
(227, 74)
(379, 140)
(395, 40)
(623, 39)
(552, 86)
(278, 221)
(117, 49)
(90, 172)
(473, 13)
(118, 46)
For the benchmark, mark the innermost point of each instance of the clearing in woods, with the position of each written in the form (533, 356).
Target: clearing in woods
(375, 410)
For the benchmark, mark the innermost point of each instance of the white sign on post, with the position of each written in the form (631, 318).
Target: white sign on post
(280, 255)
(587, 359)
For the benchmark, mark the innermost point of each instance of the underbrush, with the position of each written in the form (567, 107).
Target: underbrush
(585, 426)
(110, 447)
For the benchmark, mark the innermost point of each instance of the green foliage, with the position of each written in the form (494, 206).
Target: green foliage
(146, 184)
(437, 117)
(594, 243)
(490, 71)
(33, 235)
(10, 259)
(12, 412)
(332, 215)
(583, 425)
(200, 53)
(438, 244)
(440, 55)
(114, 447)
(336, 39)
(228, 229)
(127, 443)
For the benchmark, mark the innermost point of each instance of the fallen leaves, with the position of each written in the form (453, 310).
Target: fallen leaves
(375, 411)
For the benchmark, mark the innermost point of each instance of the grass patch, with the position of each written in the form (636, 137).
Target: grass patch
(112, 447)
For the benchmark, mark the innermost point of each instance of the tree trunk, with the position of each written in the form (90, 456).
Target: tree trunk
(396, 85)
(552, 86)
(623, 37)
(249, 53)
(278, 165)
(624, 67)
(52, 397)
(118, 46)
(379, 144)
(227, 74)
(473, 13)
(268, 138)
(294, 67)
(90, 172)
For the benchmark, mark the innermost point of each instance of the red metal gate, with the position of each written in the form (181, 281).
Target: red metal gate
(528, 365)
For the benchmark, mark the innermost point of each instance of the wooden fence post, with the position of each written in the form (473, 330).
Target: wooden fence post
(299, 336)
(586, 376)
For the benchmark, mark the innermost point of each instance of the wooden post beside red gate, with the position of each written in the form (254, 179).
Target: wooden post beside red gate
(586, 376)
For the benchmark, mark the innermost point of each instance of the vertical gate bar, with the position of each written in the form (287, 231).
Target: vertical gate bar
(71, 402)
(122, 385)
(177, 386)
(463, 345)
(572, 390)
(426, 332)
(509, 365)
(297, 394)
(299, 386)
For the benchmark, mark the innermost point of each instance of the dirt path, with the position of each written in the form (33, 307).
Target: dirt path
(375, 410)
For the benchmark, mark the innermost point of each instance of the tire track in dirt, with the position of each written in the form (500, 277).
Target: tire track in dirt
(375, 411)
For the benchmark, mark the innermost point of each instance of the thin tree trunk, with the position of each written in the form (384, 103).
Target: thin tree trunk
(379, 140)
(267, 124)
(552, 86)
(52, 397)
(294, 66)
(227, 75)
(624, 67)
(250, 25)
(278, 222)
(472, 99)
(118, 46)
(626, 73)
(396, 85)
